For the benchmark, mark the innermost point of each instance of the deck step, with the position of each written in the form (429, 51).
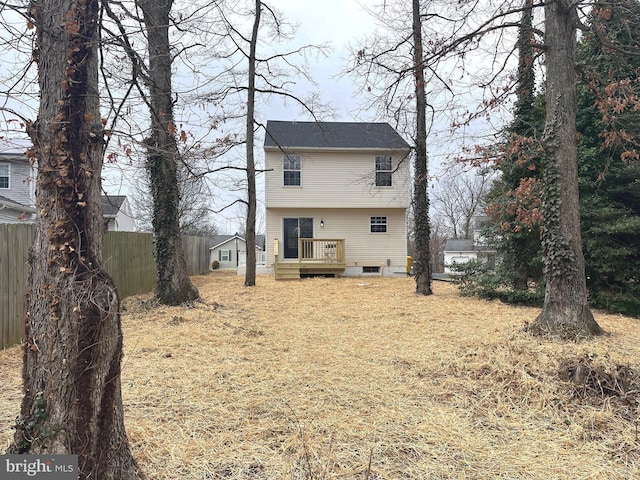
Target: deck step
(287, 271)
(291, 270)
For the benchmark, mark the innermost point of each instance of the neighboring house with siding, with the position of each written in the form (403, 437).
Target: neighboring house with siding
(17, 188)
(117, 214)
(230, 250)
(459, 250)
(337, 196)
(462, 251)
(17, 196)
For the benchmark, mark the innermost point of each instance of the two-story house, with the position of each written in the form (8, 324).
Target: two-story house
(17, 193)
(337, 196)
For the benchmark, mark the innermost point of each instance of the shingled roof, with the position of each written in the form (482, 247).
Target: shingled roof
(111, 204)
(283, 134)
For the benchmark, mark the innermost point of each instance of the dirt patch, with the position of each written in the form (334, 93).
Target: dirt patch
(358, 378)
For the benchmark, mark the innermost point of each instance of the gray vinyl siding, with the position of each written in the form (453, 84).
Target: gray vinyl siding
(362, 248)
(337, 179)
(20, 182)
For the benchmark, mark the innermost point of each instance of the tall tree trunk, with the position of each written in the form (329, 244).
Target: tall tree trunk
(422, 229)
(173, 284)
(250, 235)
(72, 396)
(565, 311)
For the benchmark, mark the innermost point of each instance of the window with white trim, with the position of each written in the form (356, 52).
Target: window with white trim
(224, 255)
(291, 167)
(378, 225)
(5, 173)
(384, 171)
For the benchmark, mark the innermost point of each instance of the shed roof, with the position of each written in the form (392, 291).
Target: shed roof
(283, 134)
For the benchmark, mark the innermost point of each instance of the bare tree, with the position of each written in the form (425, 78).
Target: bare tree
(422, 226)
(196, 207)
(250, 229)
(173, 284)
(72, 395)
(459, 197)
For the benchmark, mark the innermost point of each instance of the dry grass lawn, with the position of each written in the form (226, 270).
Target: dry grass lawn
(358, 378)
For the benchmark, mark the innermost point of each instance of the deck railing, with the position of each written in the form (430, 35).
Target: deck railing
(261, 258)
(321, 250)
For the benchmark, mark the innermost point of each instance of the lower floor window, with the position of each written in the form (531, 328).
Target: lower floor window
(378, 224)
(225, 255)
(371, 269)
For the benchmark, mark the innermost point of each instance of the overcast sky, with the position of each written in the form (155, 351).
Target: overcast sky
(336, 23)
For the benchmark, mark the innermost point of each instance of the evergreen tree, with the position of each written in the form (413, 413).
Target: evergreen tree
(609, 173)
(513, 203)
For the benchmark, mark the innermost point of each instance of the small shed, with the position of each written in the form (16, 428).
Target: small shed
(230, 250)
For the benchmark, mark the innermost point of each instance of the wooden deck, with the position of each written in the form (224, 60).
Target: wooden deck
(316, 256)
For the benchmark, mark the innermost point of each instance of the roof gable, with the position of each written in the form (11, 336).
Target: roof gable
(355, 135)
(220, 240)
(111, 204)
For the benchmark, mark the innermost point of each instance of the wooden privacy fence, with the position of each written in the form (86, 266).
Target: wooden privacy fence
(128, 258)
(15, 241)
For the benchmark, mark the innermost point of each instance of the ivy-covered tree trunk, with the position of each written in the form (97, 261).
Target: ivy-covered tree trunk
(173, 284)
(72, 395)
(565, 311)
(422, 228)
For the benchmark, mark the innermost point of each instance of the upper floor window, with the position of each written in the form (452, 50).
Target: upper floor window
(291, 166)
(384, 171)
(4, 175)
(378, 224)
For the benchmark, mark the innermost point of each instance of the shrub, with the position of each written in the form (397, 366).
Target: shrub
(478, 279)
(215, 265)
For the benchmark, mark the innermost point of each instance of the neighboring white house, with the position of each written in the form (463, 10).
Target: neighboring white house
(17, 191)
(462, 251)
(230, 251)
(344, 189)
(117, 213)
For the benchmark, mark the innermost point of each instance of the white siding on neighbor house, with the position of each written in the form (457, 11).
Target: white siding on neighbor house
(21, 182)
(362, 248)
(123, 221)
(124, 218)
(337, 179)
(457, 257)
